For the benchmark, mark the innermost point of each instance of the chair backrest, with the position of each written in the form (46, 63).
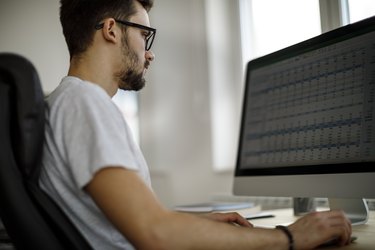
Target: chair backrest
(31, 218)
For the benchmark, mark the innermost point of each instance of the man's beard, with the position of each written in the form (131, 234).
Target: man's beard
(129, 78)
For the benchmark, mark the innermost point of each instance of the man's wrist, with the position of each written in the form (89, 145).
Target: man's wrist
(289, 235)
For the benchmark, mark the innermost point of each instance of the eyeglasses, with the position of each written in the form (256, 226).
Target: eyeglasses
(149, 37)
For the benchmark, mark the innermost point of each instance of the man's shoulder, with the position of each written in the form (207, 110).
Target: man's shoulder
(76, 86)
(72, 90)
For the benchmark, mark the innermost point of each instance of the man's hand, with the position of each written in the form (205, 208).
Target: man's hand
(317, 228)
(233, 218)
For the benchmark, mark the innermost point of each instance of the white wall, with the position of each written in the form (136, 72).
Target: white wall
(174, 107)
(175, 111)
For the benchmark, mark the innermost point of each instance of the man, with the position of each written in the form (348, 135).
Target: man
(93, 169)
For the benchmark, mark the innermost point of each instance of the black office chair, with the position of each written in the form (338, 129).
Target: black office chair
(31, 218)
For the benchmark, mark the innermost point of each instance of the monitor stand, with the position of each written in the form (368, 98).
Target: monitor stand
(356, 209)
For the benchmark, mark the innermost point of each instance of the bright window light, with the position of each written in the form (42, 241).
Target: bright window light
(361, 9)
(276, 24)
(127, 102)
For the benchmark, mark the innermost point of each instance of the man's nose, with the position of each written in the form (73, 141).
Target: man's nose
(150, 56)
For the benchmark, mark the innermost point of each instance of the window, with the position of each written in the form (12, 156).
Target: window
(127, 102)
(360, 9)
(270, 25)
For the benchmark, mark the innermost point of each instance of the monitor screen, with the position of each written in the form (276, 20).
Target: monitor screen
(308, 118)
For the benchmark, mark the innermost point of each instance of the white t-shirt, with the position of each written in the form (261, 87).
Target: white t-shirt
(85, 132)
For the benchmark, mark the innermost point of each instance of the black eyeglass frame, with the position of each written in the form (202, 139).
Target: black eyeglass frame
(150, 37)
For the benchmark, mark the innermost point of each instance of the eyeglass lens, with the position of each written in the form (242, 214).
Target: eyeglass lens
(149, 41)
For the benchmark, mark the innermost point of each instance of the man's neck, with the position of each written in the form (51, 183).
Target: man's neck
(93, 70)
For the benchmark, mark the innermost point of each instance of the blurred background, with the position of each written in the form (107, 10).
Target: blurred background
(186, 120)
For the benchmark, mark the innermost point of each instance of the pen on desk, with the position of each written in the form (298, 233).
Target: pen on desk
(259, 216)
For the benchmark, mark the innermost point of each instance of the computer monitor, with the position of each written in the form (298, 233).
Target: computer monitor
(308, 121)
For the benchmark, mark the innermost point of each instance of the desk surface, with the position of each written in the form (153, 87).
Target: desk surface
(365, 233)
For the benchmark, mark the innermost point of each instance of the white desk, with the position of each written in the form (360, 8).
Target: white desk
(365, 233)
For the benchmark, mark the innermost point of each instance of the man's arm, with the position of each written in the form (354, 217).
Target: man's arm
(133, 209)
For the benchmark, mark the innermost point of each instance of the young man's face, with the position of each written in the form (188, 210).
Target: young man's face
(135, 58)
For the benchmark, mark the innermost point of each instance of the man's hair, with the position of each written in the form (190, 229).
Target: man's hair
(79, 17)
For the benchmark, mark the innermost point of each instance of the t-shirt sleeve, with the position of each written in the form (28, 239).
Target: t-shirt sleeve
(94, 135)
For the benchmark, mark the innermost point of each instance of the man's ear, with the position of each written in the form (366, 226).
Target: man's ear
(110, 31)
